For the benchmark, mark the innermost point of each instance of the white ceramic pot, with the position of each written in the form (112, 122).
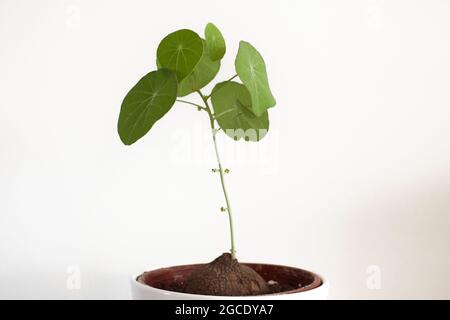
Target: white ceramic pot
(145, 286)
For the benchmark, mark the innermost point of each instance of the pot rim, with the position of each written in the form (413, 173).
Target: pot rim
(318, 282)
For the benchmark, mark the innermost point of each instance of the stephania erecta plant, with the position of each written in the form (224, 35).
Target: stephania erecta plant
(237, 107)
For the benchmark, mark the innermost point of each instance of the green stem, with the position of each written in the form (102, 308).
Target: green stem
(232, 78)
(221, 172)
(191, 103)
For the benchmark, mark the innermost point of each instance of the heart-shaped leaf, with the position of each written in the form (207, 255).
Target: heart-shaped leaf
(149, 100)
(215, 42)
(180, 51)
(251, 69)
(232, 110)
(203, 73)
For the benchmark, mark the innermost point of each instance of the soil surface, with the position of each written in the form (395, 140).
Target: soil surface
(225, 277)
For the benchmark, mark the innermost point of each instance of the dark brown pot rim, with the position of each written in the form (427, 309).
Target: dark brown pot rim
(279, 273)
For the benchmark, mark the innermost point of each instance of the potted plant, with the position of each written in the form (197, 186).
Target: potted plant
(185, 64)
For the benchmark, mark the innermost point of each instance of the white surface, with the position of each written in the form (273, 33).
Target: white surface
(353, 180)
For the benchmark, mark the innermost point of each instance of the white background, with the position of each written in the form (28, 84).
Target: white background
(355, 171)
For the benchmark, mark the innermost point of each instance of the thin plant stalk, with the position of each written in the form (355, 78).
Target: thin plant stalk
(221, 173)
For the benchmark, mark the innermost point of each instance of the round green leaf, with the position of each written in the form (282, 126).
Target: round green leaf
(215, 42)
(149, 100)
(251, 69)
(180, 51)
(232, 110)
(203, 73)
